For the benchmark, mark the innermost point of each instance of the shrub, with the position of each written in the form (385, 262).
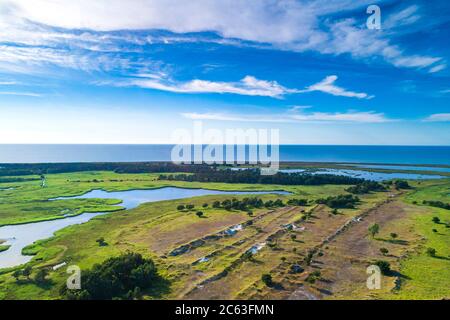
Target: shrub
(180, 207)
(374, 229)
(313, 276)
(199, 214)
(394, 235)
(216, 204)
(384, 251)
(205, 205)
(190, 206)
(431, 252)
(40, 276)
(436, 220)
(101, 242)
(267, 279)
(115, 277)
(347, 201)
(401, 184)
(384, 266)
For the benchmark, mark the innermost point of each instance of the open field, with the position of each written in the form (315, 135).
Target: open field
(216, 266)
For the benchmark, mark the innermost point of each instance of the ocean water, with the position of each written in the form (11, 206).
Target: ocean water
(419, 155)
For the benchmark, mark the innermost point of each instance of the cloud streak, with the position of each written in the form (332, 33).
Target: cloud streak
(438, 117)
(249, 85)
(350, 116)
(327, 86)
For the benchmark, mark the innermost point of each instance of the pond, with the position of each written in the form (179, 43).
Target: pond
(20, 236)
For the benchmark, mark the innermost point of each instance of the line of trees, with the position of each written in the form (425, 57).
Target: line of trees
(437, 204)
(347, 201)
(119, 167)
(254, 176)
(366, 187)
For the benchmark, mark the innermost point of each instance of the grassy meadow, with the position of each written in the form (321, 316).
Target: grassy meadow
(156, 229)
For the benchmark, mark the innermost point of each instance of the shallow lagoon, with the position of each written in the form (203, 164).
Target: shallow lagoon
(20, 236)
(368, 175)
(399, 167)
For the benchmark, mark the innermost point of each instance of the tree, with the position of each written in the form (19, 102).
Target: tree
(180, 207)
(374, 229)
(293, 237)
(199, 214)
(385, 267)
(216, 204)
(267, 279)
(27, 272)
(205, 205)
(250, 213)
(16, 274)
(40, 276)
(137, 294)
(394, 235)
(190, 206)
(384, 251)
(116, 277)
(431, 252)
(101, 242)
(436, 220)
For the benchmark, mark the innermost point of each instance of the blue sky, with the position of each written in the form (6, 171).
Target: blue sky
(135, 71)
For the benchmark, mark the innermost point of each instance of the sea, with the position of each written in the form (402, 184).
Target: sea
(54, 153)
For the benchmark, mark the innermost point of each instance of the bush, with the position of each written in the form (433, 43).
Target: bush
(180, 207)
(199, 214)
(347, 201)
(366, 187)
(437, 204)
(40, 276)
(431, 252)
(436, 220)
(205, 205)
(374, 229)
(384, 251)
(267, 279)
(394, 235)
(401, 184)
(313, 276)
(384, 266)
(190, 206)
(101, 242)
(114, 278)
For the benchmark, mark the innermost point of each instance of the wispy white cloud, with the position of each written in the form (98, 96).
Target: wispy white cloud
(285, 25)
(327, 86)
(350, 116)
(438, 117)
(249, 85)
(438, 68)
(404, 17)
(18, 93)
